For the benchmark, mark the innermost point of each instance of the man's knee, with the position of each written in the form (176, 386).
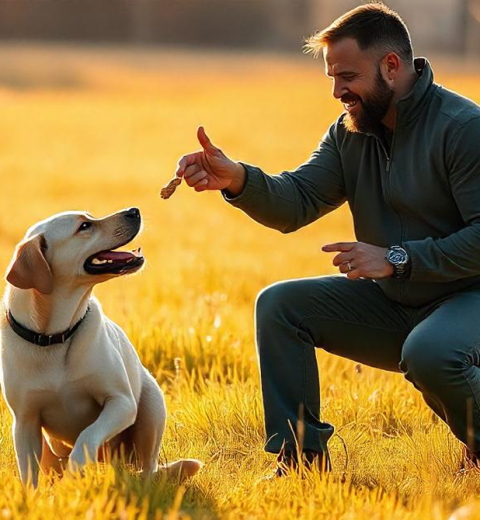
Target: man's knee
(272, 303)
(430, 362)
(293, 299)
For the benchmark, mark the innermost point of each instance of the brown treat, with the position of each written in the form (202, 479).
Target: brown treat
(169, 189)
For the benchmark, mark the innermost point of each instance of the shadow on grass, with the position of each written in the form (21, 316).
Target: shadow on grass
(166, 495)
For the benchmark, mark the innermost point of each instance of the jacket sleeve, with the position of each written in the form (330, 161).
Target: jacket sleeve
(457, 255)
(291, 200)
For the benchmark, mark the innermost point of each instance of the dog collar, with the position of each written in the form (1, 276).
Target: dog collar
(42, 340)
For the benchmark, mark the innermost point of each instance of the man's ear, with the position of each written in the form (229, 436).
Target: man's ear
(391, 64)
(29, 268)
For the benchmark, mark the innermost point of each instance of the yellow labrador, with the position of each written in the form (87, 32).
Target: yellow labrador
(71, 378)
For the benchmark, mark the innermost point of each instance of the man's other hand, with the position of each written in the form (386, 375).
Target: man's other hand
(211, 169)
(360, 260)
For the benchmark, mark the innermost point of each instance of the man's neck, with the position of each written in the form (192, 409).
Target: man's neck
(404, 87)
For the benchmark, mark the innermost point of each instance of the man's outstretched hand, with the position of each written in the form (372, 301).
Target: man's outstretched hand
(211, 169)
(360, 260)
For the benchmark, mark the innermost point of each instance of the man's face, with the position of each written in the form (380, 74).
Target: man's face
(359, 84)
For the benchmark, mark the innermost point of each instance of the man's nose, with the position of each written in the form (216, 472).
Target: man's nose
(338, 89)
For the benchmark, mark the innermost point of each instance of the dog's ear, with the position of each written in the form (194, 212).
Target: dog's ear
(29, 268)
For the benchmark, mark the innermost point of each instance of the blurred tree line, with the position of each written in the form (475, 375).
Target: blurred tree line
(207, 22)
(441, 25)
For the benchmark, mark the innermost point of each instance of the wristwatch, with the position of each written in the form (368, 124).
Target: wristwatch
(400, 261)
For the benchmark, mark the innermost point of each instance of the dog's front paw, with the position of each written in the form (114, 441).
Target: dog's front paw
(76, 462)
(79, 457)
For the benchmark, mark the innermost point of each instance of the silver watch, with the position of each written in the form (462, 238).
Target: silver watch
(400, 261)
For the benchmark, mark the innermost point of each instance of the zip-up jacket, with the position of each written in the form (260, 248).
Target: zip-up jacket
(423, 193)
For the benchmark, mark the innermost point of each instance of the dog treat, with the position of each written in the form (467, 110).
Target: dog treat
(169, 189)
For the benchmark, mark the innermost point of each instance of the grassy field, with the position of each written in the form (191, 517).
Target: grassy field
(101, 130)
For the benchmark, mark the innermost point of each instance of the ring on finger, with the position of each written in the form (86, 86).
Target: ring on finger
(349, 266)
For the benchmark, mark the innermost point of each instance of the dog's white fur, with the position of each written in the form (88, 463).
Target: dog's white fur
(70, 401)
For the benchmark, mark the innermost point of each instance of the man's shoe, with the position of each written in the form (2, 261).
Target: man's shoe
(470, 461)
(310, 461)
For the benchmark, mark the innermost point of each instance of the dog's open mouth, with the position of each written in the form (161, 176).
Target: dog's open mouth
(114, 262)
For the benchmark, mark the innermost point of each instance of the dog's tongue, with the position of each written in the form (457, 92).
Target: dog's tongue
(115, 255)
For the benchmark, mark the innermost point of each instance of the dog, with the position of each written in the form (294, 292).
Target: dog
(72, 380)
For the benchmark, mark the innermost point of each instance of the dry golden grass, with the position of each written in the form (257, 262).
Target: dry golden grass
(101, 130)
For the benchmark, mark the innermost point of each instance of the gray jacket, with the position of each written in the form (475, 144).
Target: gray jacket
(424, 194)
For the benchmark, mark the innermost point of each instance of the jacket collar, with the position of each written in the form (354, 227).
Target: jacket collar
(409, 107)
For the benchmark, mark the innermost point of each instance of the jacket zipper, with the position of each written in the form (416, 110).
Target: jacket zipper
(388, 192)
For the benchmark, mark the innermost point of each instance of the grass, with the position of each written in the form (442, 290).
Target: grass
(102, 129)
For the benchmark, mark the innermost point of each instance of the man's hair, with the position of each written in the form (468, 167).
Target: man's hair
(373, 26)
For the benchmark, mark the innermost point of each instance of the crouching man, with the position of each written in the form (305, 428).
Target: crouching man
(405, 155)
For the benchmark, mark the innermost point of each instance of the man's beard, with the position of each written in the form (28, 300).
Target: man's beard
(372, 109)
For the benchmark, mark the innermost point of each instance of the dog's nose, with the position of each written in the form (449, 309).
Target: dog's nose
(133, 213)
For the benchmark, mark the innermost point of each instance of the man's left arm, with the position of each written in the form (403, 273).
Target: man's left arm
(457, 255)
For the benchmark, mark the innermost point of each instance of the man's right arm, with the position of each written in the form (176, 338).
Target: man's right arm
(285, 202)
(291, 200)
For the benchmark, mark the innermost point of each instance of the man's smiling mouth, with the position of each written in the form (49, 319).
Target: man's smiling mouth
(349, 105)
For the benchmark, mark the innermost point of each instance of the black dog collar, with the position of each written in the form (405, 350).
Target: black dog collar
(42, 340)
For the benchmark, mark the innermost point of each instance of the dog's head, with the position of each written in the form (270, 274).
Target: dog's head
(76, 249)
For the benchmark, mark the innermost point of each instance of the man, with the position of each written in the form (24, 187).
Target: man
(405, 155)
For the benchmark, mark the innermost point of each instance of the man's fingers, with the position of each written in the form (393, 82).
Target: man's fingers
(185, 161)
(181, 166)
(194, 179)
(354, 274)
(202, 185)
(342, 258)
(338, 246)
(347, 267)
(205, 142)
(191, 170)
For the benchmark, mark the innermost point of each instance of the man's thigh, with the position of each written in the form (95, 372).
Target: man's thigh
(353, 319)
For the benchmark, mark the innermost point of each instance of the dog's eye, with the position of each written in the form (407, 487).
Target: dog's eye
(85, 225)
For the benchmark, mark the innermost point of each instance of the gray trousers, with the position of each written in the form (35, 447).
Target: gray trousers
(437, 347)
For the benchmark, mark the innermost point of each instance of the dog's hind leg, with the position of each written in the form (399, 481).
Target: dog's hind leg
(147, 431)
(181, 469)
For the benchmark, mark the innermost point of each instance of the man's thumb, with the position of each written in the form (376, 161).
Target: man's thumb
(205, 142)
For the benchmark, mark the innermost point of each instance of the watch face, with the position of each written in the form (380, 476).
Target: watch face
(397, 256)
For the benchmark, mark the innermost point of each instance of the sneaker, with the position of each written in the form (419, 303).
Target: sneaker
(470, 461)
(311, 461)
